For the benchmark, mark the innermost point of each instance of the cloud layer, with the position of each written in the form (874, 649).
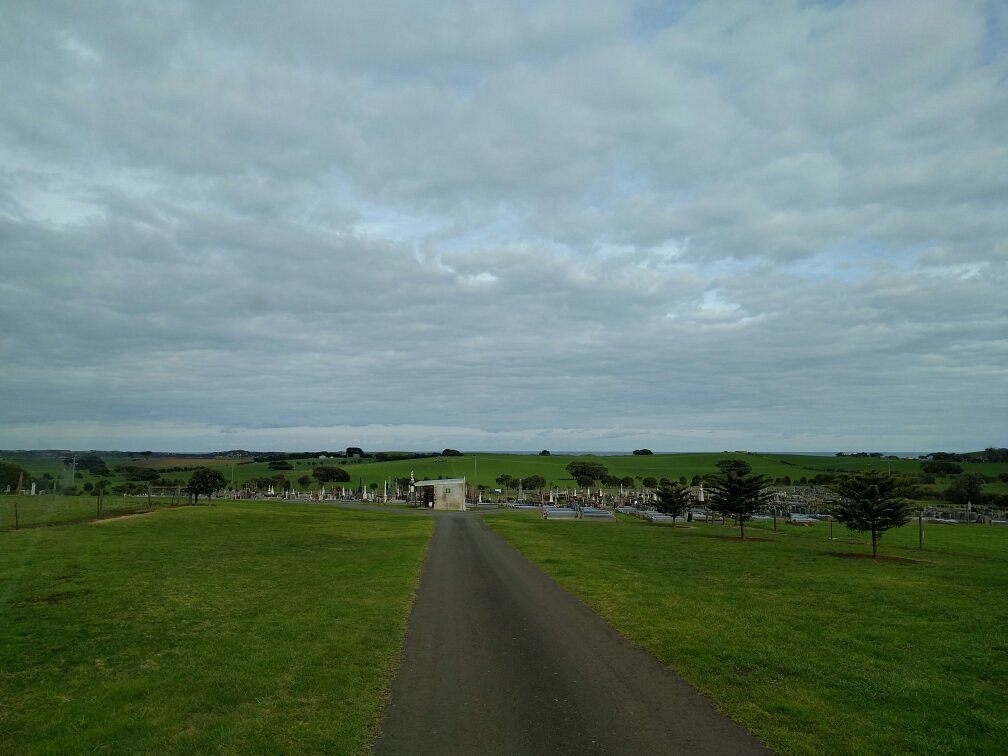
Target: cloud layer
(504, 225)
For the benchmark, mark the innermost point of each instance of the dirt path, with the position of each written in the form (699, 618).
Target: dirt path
(500, 659)
(113, 516)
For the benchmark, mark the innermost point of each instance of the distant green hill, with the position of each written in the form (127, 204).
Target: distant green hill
(483, 469)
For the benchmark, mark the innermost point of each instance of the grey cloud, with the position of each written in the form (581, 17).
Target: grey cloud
(512, 223)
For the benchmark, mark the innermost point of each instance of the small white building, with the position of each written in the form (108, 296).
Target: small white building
(441, 494)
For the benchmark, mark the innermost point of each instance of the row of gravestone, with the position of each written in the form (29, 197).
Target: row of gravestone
(582, 513)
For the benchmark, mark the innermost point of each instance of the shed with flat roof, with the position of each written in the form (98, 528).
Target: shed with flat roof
(442, 494)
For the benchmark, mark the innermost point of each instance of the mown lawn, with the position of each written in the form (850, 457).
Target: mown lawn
(237, 628)
(812, 648)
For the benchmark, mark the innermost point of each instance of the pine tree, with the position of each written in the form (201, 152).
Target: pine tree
(673, 499)
(871, 502)
(737, 492)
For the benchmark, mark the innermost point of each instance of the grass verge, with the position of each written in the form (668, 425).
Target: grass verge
(237, 628)
(812, 653)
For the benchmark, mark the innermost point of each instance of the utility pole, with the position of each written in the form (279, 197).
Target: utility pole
(17, 495)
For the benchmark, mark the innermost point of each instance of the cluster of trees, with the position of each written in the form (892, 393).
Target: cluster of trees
(591, 471)
(278, 482)
(642, 452)
(319, 475)
(941, 467)
(990, 454)
(732, 492)
(966, 489)
(995, 454)
(275, 456)
(870, 502)
(585, 474)
(136, 473)
(529, 483)
(276, 459)
(397, 456)
(588, 474)
(326, 474)
(91, 463)
(10, 474)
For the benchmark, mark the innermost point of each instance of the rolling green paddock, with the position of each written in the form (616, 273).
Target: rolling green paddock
(237, 628)
(38, 465)
(488, 467)
(813, 652)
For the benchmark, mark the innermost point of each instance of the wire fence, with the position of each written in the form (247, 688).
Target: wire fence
(20, 512)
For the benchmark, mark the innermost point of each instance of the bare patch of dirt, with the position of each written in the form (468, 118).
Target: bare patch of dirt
(110, 517)
(53, 598)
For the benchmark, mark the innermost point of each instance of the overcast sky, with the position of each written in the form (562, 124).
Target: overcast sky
(504, 225)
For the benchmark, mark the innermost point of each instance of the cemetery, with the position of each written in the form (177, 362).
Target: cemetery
(689, 595)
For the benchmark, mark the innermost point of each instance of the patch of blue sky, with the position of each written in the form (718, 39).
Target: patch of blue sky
(58, 210)
(653, 16)
(504, 230)
(622, 183)
(851, 263)
(995, 44)
(376, 220)
(382, 222)
(728, 268)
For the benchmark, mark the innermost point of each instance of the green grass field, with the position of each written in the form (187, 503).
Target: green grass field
(814, 652)
(255, 627)
(32, 511)
(237, 628)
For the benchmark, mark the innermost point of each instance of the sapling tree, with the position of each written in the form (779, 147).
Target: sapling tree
(872, 502)
(737, 492)
(673, 499)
